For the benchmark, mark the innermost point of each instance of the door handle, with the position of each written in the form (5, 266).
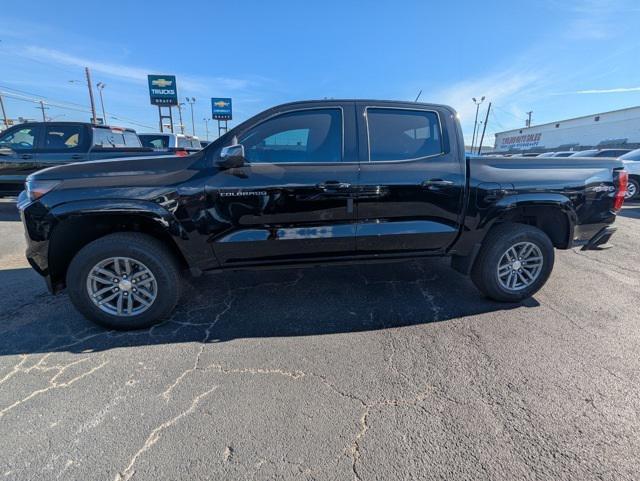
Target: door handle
(26, 156)
(333, 185)
(437, 183)
(76, 156)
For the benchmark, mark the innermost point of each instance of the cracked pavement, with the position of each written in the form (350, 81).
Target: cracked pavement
(376, 372)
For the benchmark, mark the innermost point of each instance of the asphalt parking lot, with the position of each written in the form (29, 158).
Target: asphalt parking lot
(380, 372)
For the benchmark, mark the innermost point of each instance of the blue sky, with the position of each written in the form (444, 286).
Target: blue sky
(558, 58)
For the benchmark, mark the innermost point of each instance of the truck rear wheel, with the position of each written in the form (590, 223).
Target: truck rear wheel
(514, 262)
(124, 281)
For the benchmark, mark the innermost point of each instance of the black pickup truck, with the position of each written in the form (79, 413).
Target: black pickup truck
(28, 147)
(311, 183)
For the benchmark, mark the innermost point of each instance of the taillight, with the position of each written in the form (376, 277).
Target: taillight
(182, 153)
(621, 190)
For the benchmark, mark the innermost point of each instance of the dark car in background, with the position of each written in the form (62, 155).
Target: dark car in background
(29, 147)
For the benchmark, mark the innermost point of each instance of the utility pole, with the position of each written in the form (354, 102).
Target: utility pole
(180, 114)
(101, 87)
(206, 126)
(191, 101)
(93, 104)
(475, 123)
(42, 107)
(529, 119)
(4, 113)
(484, 128)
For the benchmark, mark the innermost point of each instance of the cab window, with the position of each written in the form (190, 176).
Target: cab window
(399, 134)
(64, 137)
(20, 139)
(303, 136)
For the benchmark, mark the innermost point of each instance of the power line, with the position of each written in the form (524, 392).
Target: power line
(63, 105)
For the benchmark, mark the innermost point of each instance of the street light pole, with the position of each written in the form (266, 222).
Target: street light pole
(475, 124)
(206, 126)
(191, 101)
(180, 114)
(101, 87)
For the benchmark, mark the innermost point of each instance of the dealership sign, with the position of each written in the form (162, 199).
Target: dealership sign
(163, 90)
(221, 108)
(525, 141)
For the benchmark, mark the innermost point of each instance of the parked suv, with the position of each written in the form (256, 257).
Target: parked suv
(311, 183)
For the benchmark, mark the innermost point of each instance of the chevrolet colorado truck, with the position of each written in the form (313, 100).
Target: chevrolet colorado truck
(32, 146)
(310, 183)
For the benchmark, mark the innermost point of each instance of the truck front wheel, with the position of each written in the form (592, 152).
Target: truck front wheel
(124, 281)
(514, 262)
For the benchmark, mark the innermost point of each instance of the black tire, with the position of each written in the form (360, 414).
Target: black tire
(485, 269)
(151, 252)
(636, 184)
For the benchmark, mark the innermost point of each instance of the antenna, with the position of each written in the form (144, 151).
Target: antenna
(418, 96)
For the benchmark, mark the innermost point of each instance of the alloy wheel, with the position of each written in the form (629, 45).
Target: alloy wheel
(122, 286)
(520, 266)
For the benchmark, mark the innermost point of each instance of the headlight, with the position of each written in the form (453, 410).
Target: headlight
(37, 188)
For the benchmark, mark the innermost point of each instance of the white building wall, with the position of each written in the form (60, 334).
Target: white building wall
(584, 131)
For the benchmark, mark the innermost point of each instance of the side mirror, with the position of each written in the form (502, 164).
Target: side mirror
(232, 157)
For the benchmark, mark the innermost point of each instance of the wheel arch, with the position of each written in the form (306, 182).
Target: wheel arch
(75, 228)
(554, 215)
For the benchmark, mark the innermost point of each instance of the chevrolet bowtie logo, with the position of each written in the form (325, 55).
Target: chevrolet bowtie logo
(221, 104)
(161, 82)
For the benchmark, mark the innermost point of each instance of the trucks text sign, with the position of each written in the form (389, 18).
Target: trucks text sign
(221, 109)
(163, 89)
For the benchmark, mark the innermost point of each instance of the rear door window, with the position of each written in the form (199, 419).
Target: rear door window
(63, 138)
(402, 134)
(158, 142)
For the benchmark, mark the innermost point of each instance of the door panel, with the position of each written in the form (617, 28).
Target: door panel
(269, 211)
(410, 194)
(63, 144)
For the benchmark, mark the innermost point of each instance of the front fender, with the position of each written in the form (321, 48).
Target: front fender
(150, 210)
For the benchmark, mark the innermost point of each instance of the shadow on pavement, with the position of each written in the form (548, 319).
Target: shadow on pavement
(263, 304)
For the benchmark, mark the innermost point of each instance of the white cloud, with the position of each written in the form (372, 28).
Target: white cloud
(609, 91)
(189, 84)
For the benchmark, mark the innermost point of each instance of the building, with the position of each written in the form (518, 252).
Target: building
(618, 128)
